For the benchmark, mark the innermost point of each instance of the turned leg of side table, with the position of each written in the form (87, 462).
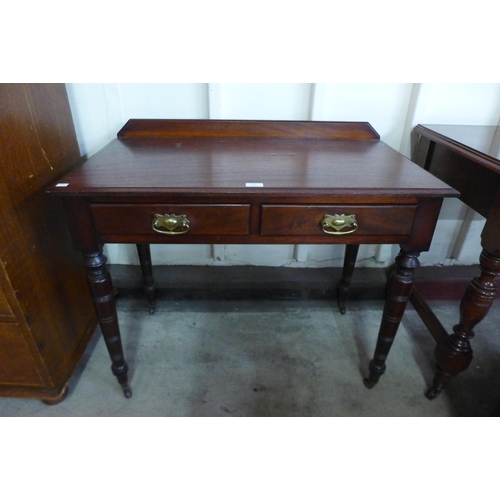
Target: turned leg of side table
(101, 289)
(351, 253)
(144, 252)
(398, 293)
(454, 353)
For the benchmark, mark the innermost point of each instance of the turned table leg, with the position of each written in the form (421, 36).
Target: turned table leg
(144, 252)
(351, 253)
(101, 289)
(454, 352)
(398, 293)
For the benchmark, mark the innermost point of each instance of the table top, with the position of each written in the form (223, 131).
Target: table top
(480, 141)
(144, 161)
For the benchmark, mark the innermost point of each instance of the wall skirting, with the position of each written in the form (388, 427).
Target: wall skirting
(245, 282)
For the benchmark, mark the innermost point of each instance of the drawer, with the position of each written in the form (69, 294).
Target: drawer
(199, 219)
(305, 220)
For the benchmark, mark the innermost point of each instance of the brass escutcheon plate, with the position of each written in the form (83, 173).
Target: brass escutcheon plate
(339, 224)
(171, 224)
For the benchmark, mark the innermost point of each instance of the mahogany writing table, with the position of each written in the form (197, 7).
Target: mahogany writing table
(466, 157)
(256, 182)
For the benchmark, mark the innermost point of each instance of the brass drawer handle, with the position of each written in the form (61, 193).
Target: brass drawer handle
(334, 224)
(171, 224)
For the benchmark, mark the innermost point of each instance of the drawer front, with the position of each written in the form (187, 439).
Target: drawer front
(306, 220)
(200, 219)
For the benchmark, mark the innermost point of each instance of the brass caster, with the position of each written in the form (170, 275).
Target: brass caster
(432, 393)
(369, 384)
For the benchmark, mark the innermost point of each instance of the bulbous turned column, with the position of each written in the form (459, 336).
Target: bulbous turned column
(101, 289)
(398, 293)
(454, 352)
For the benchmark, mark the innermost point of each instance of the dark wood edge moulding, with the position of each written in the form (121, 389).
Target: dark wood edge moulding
(248, 129)
(463, 150)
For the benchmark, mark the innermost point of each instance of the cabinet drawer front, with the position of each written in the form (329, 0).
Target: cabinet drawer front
(202, 219)
(306, 219)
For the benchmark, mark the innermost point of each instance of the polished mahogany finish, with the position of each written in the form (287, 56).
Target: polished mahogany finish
(159, 166)
(248, 182)
(374, 220)
(206, 219)
(467, 158)
(46, 315)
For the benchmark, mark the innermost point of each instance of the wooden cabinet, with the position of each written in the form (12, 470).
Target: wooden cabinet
(46, 314)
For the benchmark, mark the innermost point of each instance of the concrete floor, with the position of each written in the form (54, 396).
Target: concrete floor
(272, 358)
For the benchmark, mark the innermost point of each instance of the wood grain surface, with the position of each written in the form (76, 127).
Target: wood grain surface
(147, 166)
(43, 284)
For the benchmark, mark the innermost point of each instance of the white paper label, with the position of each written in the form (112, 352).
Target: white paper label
(254, 184)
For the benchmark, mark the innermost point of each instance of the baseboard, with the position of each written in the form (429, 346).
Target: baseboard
(444, 282)
(255, 282)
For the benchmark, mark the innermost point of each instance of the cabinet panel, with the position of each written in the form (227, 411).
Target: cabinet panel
(5, 310)
(17, 366)
(46, 315)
